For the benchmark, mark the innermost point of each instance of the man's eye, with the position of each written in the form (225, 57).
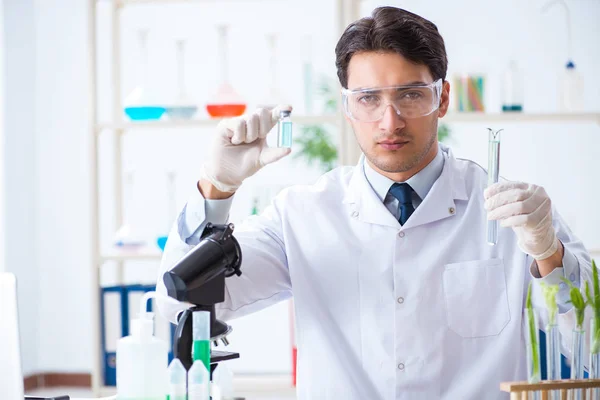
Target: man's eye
(412, 96)
(368, 99)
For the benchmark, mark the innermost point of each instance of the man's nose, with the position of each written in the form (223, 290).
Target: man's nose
(391, 121)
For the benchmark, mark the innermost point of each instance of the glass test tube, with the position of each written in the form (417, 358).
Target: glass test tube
(284, 129)
(201, 336)
(493, 175)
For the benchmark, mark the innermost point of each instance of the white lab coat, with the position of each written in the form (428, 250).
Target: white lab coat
(427, 310)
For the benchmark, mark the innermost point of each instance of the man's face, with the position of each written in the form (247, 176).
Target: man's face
(395, 145)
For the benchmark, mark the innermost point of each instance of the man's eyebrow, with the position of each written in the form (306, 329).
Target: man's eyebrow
(378, 89)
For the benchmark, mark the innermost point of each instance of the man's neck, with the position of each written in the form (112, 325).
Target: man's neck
(406, 175)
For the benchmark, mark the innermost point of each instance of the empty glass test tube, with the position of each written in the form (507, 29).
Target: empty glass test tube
(284, 129)
(493, 175)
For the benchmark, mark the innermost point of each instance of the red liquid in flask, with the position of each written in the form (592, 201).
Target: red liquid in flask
(225, 110)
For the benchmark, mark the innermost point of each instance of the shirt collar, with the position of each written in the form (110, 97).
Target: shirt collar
(421, 182)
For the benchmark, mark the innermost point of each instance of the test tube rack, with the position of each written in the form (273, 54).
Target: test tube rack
(590, 389)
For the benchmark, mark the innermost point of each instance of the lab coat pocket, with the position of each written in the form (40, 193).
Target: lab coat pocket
(476, 298)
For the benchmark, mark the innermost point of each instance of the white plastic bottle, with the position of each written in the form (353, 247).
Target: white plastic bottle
(142, 360)
(571, 88)
(198, 382)
(177, 380)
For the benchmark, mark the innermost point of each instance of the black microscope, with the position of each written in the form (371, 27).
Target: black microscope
(199, 278)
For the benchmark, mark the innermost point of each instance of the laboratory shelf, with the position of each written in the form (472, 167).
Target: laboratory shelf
(142, 254)
(585, 117)
(347, 11)
(134, 2)
(206, 123)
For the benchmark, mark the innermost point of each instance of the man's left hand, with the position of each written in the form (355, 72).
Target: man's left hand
(527, 209)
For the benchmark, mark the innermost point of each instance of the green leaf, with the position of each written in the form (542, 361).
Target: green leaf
(316, 147)
(528, 302)
(594, 302)
(533, 337)
(549, 292)
(578, 302)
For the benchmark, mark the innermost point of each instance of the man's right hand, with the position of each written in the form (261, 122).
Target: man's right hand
(239, 150)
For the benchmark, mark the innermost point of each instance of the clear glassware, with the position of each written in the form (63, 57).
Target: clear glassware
(577, 347)
(532, 345)
(183, 108)
(553, 367)
(493, 175)
(272, 96)
(138, 105)
(226, 102)
(594, 372)
(129, 235)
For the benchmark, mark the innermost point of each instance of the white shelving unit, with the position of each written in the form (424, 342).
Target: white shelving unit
(586, 117)
(347, 11)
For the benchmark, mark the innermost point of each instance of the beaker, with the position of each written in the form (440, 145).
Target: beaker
(171, 176)
(226, 102)
(272, 95)
(137, 105)
(307, 75)
(128, 235)
(183, 108)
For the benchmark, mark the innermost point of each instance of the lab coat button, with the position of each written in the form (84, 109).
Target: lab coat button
(355, 214)
(451, 210)
(401, 367)
(400, 300)
(401, 234)
(562, 286)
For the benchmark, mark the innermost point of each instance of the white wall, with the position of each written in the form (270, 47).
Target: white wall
(22, 200)
(2, 97)
(62, 135)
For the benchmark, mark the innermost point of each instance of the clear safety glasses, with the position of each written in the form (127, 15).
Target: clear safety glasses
(409, 101)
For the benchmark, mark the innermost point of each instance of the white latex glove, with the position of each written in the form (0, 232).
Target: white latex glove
(240, 149)
(527, 209)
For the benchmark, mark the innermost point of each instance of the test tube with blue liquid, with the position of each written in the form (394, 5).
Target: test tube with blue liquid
(284, 129)
(493, 176)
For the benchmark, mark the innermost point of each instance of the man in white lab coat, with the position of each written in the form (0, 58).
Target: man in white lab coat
(397, 293)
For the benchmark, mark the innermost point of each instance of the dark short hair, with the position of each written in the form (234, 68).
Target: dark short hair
(391, 29)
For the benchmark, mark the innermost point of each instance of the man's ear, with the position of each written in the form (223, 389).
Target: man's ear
(444, 99)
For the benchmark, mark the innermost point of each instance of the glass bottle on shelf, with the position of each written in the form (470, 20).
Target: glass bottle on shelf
(307, 75)
(161, 241)
(272, 96)
(128, 235)
(512, 100)
(226, 102)
(183, 108)
(138, 106)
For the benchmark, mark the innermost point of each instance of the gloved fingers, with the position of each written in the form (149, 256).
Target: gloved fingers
(266, 123)
(503, 187)
(506, 211)
(536, 219)
(514, 221)
(253, 125)
(235, 128)
(527, 206)
(272, 154)
(506, 197)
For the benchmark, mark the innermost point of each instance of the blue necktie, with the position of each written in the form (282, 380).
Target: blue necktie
(403, 192)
